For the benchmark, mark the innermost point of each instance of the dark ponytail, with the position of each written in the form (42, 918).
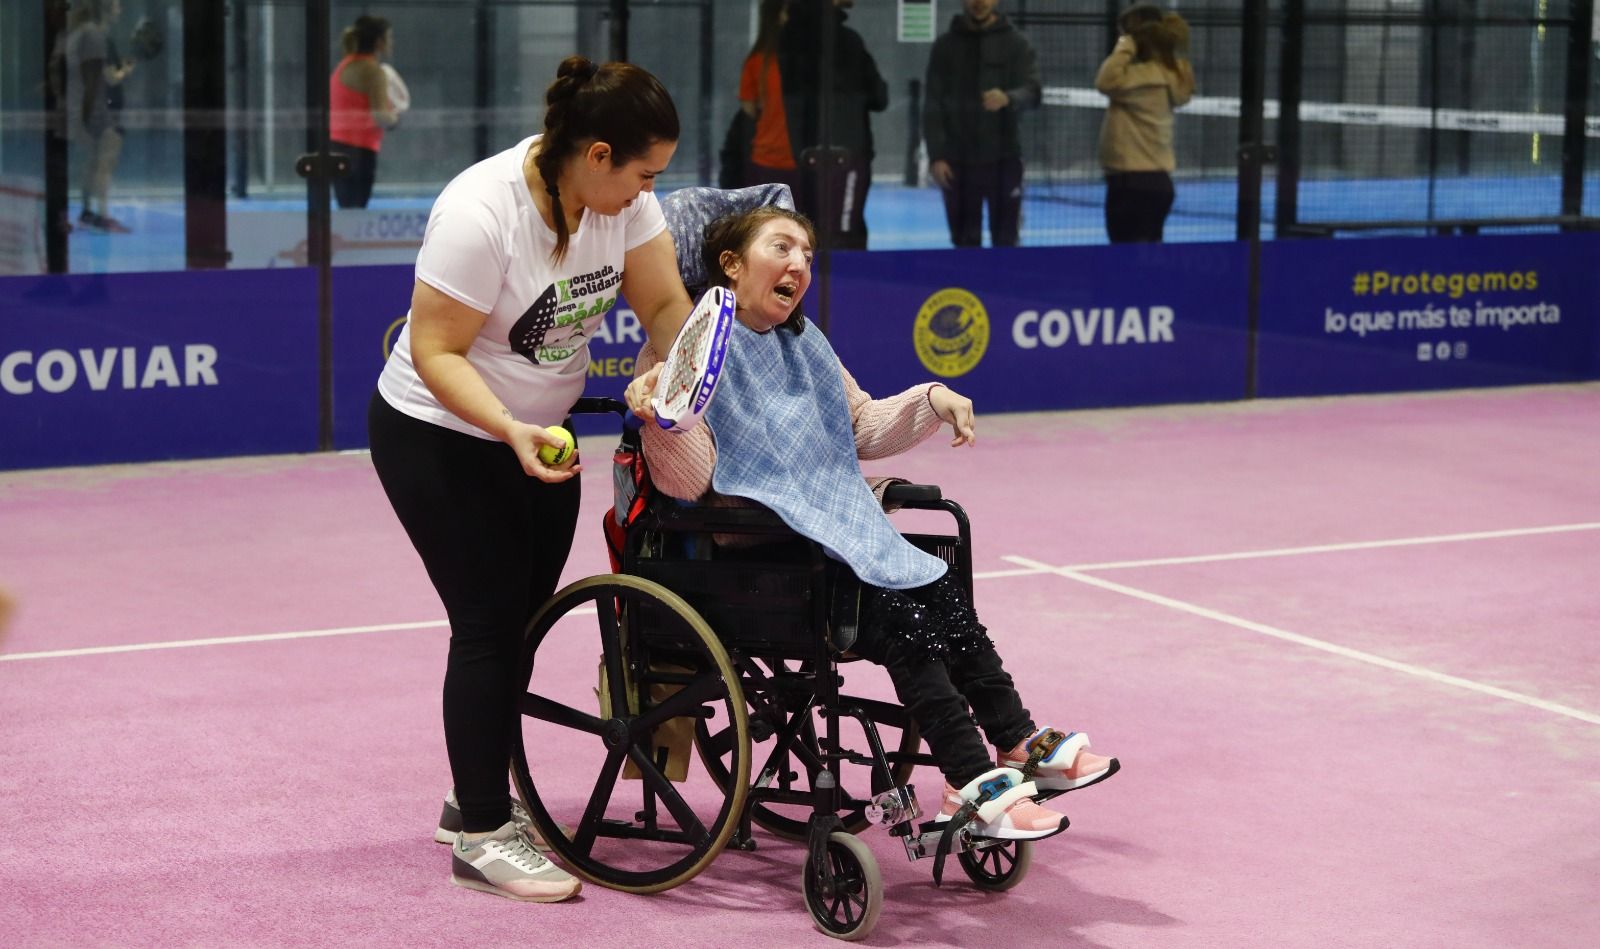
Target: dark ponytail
(617, 103)
(364, 35)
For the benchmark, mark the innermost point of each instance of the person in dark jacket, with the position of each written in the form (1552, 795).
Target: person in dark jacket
(980, 75)
(858, 89)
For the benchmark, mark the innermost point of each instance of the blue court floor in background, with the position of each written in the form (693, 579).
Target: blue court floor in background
(898, 218)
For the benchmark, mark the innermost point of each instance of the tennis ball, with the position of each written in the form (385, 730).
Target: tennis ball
(553, 456)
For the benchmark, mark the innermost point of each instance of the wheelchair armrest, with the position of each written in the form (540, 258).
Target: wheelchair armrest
(721, 520)
(598, 405)
(911, 495)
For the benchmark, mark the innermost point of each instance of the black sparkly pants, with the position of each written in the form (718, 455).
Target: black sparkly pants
(939, 691)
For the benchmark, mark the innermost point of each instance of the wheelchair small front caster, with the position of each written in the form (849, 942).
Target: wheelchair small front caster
(999, 866)
(846, 906)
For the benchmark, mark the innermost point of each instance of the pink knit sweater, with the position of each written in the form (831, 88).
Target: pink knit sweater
(681, 464)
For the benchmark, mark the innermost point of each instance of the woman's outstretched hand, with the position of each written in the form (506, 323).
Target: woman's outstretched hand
(956, 409)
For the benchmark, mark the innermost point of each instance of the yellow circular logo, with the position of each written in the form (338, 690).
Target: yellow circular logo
(951, 332)
(391, 335)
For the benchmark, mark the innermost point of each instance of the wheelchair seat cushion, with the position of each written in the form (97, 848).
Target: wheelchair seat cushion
(785, 439)
(689, 210)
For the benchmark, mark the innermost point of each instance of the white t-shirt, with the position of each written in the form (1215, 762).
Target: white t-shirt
(487, 247)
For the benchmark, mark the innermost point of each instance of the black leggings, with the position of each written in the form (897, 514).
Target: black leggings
(494, 542)
(354, 190)
(843, 209)
(1137, 204)
(997, 183)
(938, 691)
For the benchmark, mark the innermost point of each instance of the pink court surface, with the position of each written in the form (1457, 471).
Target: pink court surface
(1346, 650)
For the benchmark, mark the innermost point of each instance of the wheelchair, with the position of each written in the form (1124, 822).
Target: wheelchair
(728, 650)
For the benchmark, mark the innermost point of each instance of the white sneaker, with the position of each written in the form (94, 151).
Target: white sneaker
(506, 864)
(1008, 812)
(1058, 761)
(450, 823)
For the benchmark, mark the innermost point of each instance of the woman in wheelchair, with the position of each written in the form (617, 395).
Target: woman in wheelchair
(788, 430)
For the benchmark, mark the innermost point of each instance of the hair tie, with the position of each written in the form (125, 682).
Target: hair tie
(552, 190)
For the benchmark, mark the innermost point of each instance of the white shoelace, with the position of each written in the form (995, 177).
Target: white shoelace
(518, 852)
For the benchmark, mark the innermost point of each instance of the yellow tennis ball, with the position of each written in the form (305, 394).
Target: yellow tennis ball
(553, 456)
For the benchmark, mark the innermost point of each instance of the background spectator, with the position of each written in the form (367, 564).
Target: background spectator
(93, 71)
(359, 106)
(981, 73)
(1145, 77)
(858, 89)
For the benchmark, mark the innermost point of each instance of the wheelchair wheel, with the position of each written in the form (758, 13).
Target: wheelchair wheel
(999, 867)
(791, 766)
(605, 775)
(849, 908)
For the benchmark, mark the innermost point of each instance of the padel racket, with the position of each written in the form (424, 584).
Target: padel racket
(694, 363)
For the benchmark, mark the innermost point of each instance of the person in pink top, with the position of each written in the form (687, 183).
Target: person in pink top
(938, 655)
(359, 107)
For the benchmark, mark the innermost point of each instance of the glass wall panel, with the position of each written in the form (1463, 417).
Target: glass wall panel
(1436, 110)
(24, 124)
(117, 70)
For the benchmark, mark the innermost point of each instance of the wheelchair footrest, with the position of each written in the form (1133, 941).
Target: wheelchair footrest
(925, 842)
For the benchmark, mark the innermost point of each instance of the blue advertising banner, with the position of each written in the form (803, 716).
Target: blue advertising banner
(143, 367)
(369, 309)
(1381, 315)
(137, 367)
(1030, 329)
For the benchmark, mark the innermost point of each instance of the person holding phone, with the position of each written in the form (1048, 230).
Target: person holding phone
(1145, 78)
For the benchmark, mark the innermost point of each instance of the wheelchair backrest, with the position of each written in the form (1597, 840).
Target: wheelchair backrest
(689, 210)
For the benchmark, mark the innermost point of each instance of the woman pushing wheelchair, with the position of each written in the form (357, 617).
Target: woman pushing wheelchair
(788, 430)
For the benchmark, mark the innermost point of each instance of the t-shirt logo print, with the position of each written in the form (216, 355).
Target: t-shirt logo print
(527, 334)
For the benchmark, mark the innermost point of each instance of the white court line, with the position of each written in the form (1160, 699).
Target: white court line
(236, 640)
(995, 574)
(1334, 548)
(1299, 640)
(984, 575)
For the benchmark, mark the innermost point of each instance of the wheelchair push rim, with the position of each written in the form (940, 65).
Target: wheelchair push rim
(631, 830)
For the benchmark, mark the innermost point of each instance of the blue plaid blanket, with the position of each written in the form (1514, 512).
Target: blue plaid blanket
(785, 440)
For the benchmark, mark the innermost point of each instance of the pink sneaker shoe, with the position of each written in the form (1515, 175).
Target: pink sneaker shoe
(1058, 761)
(1008, 813)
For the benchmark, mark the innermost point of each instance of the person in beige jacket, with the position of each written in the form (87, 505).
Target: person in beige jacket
(1145, 77)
